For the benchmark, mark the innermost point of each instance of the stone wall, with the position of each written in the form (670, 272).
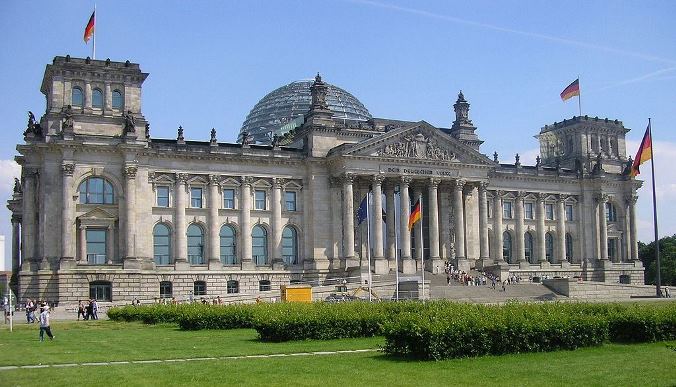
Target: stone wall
(597, 290)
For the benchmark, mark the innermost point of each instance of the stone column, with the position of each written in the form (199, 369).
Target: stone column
(519, 230)
(603, 226)
(433, 264)
(83, 244)
(130, 260)
(497, 226)
(348, 221)
(28, 226)
(107, 100)
(214, 243)
(380, 264)
(560, 256)
(87, 97)
(391, 232)
(407, 264)
(67, 213)
(540, 232)
(245, 225)
(16, 244)
(633, 228)
(276, 204)
(417, 229)
(181, 256)
(459, 216)
(484, 250)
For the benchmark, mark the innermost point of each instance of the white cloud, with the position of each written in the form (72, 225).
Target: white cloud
(9, 169)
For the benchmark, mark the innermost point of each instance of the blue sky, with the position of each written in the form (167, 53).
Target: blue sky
(211, 61)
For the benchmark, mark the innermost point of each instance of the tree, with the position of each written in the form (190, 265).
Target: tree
(646, 253)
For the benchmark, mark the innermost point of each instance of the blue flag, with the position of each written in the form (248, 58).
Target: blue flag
(362, 211)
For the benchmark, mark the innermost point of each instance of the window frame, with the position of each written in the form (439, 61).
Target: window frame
(106, 288)
(263, 246)
(264, 286)
(528, 239)
(87, 196)
(96, 259)
(290, 259)
(199, 288)
(506, 236)
(194, 199)
(120, 99)
(168, 245)
(95, 93)
(157, 196)
(611, 212)
(225, 205)
(569, 209)
(507, 209)
(549, 211)
(201, 246)
(569, 247)
(223, 248)
(263, 201)
(81, 95)
(232, 287)
(294, 203)
(549, 247)
(163, 289)
(528, 210)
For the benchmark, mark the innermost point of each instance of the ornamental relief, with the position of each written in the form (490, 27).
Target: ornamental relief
(417, 146)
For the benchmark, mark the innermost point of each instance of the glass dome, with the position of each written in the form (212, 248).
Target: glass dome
(283, 109)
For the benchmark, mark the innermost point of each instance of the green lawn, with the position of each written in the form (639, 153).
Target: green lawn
(616, 365)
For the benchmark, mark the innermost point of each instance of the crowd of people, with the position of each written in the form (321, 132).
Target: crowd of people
(480, 279)
(89, 310)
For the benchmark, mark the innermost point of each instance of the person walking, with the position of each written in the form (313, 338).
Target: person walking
(80, 310)
(95, 310)
(44, 324)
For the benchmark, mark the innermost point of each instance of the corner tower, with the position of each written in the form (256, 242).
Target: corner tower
(462, 128)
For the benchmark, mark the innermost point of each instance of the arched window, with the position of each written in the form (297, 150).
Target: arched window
(101, 291)
(232, 287)
(97, 99)
(264, 286)
(259, 244)
(162, 244)
(569, 248)
(96, 190)
(549, 247)
(117, 100)
(528, 246)
(290, 245)
(76, 97)
(611, 212)
(507, 246)
(199, 288)
(228, 252)
(195, 245)
(166, 289)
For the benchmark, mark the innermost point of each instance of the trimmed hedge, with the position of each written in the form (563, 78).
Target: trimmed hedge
(451, 331)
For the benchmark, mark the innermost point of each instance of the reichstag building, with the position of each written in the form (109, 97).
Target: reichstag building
(105, 210)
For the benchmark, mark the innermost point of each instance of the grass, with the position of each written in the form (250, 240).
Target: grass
(613, 364)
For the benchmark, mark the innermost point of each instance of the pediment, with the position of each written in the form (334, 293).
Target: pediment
(420, 141)
(97, 213)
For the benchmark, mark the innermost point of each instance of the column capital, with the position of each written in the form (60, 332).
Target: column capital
(406, 180)
(631, 199)
(540, 197)
(347, 178)
(459, 184)
(483, 186)
(68, 169)
(561, 198)
(181, 178)
(214, 180)
(334, 181)
(278, 182)
(520, 195)
(378, 179)
(497, 194)
(602, 198)
(130, 171)
(247, 180)
(434, 182)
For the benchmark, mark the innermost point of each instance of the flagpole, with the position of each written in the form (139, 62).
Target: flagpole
(422, 248)
(94, 35)
(368, 239)
(658, 278)
(396, 253)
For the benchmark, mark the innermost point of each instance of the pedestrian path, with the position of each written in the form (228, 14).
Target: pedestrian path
(159, 361)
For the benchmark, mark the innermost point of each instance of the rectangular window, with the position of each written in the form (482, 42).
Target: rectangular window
(196, 197)
(229, 198)
(507, 210)
(569, 212)
(489, 208)
(549, 211)
(528, 210)
(260, 200)
(290, 200)
(162, 196)
(96, 246)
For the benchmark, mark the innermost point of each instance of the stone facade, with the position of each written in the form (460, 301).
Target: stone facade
(103, 209)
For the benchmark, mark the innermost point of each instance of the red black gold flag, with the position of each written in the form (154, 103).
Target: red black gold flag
(572, 90)
(89, 30)
(645, 153)
(416, 215)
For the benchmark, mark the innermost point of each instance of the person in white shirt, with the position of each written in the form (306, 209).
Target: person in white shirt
(44, 324)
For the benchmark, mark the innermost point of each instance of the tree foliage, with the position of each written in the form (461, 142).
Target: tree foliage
(646, 253)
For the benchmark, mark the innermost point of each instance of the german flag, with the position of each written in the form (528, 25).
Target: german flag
(572, 90)
(89, 30)
(645, 153)
(415, 216)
